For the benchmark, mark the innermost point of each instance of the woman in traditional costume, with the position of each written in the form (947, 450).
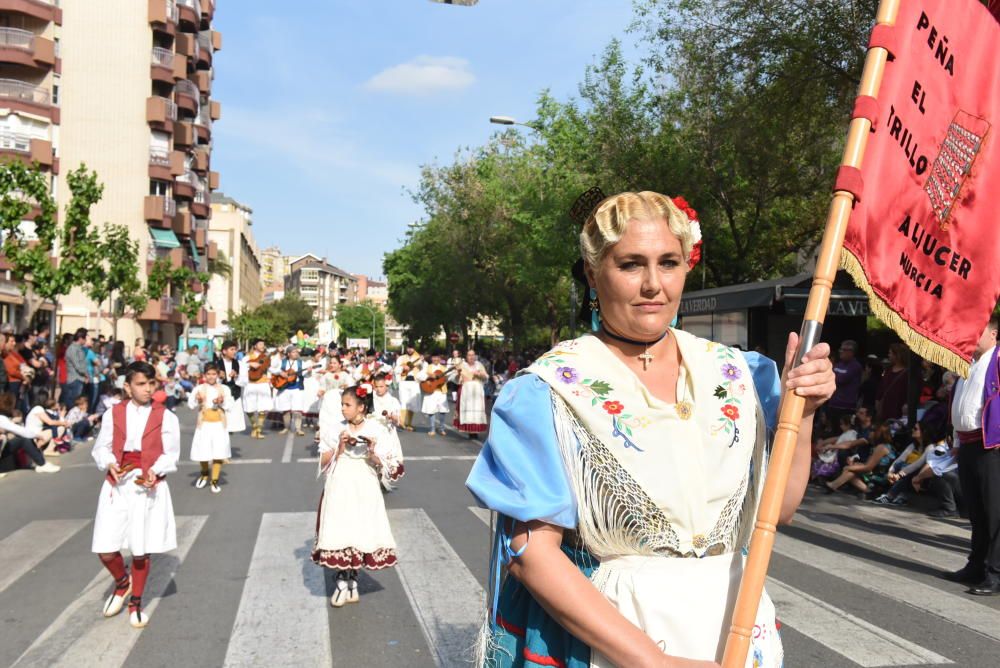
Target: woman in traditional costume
(625, 467)
(353, 529)
(408, 367)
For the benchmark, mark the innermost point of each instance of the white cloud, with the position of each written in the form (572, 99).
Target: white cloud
(424, 75)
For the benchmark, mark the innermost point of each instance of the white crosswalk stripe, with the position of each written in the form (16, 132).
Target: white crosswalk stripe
(284, 599)
(31, 544)
(853, 638)
(445, 596)
(80, 633)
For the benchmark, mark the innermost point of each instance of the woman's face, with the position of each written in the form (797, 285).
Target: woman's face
(640, 280)
(351, 407)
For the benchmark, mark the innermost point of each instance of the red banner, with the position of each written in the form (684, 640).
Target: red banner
(924, 239)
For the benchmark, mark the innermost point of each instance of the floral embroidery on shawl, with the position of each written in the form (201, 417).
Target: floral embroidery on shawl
(729, 391)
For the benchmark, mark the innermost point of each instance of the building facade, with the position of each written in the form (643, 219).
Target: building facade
(322, 285)
(30, 69)
(370, 290)
(231, 230)
(125, 87)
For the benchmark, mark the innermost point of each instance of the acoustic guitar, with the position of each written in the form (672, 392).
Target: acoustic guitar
(433, 382)
(255, 375)
(283, 379)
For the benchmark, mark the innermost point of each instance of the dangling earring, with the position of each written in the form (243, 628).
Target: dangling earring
(673, 323)
(595, 311)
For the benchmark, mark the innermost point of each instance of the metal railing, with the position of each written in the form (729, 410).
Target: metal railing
(185, 87)
(200, 224)
(187, 177)
(15, 38)
(193, 4)
(199, 195)
(159, 157)
(12, 89)
(204, 117)
(205, 41)
(15, 141)
(169, 206)
(166, 305)
(171, 11)
(163, 57)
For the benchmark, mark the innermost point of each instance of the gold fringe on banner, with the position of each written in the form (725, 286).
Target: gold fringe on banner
(916, 341)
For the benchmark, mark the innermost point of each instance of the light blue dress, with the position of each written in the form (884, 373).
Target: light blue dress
(520, 475)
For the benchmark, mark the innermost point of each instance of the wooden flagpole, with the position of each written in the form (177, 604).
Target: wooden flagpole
(792, 406)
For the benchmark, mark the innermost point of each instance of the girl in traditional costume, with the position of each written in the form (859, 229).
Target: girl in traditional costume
(386, 411)
(353, 527)
(210, 446)
(625, 467)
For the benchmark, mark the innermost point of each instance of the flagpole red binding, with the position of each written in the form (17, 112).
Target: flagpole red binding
(847, 189)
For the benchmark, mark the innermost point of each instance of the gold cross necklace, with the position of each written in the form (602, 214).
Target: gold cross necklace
(646, 356)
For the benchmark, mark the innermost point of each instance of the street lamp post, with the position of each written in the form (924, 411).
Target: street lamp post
(372, 311)
(507, 120)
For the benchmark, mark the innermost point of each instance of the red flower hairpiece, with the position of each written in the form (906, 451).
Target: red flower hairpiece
(692, 216)
(361, 392)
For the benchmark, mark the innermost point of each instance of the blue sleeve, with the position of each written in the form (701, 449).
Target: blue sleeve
(767, 382)
(519, 472)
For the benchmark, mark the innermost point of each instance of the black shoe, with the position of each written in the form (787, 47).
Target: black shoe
(941, 513)
(966, 575)
(988, 587)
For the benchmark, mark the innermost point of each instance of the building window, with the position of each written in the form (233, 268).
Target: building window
(727, 328)
(161, 188)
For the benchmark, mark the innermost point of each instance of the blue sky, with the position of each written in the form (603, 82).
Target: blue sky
(329, 107)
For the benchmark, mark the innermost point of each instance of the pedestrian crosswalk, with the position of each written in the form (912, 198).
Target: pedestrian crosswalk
(282, 616)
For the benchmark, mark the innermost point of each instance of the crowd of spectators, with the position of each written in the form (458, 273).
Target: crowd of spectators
(863, 442)
(52, 397)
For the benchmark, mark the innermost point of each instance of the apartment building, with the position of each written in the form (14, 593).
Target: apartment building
(370, 290)
(274, 269)
(128, 92)
(322, 285)
(231, 230)
(30, 68)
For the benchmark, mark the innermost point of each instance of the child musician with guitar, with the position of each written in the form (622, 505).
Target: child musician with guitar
(289, 381)
(138, 445)
(353, 528)
(434, 385)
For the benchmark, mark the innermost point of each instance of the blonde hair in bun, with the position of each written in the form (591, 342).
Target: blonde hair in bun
(609, 222)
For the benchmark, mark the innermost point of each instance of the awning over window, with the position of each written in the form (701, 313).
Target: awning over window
(194, 252)
(164, 238)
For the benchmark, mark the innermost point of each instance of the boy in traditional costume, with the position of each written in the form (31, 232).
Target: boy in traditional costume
(435, 402)
(386, 412)
(138, 445)
(210, 447)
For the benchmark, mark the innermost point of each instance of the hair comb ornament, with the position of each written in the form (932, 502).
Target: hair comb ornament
(585, 205)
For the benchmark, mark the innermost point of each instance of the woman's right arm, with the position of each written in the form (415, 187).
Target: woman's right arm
(8, 425)
(570, 598)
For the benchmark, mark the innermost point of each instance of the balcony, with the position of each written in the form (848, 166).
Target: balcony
(161, 113)
(203, 124)
(199, 238)
(213, 250)
(25, 148)
(203, 80)
(214, 110)
(163, 16)
(182, 223)
(164, 165)
(46, 10)
(21, 96)
(189, 14)
(200, 163)
(185, 45)
(184, 185)
(200, 224)
(23, 47)
(199, 204)
(162, 68)
(213, 180)
(186, 96)
(183, 135)
(203, 58)
(159, 211)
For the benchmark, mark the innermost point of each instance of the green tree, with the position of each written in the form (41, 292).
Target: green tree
(356, 321)
(275, 322)
(115, 275)
(54, 258)
(182, 284)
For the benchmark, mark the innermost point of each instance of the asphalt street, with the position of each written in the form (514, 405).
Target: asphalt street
(854, 584)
